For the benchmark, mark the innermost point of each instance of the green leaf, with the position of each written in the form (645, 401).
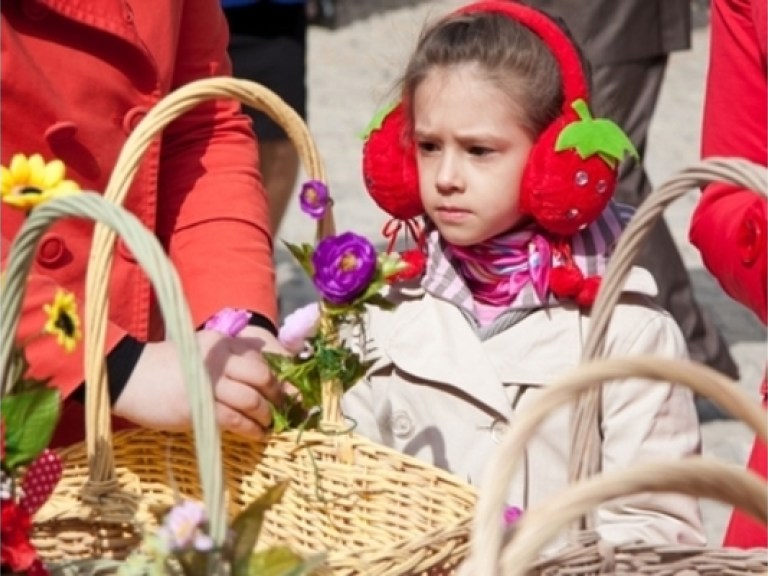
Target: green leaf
(247, 526)
(30, 419)
(282, 561)
(303, 255)
(377, 120)
(589, 137)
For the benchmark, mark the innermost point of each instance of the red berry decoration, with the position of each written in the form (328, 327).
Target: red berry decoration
(416, 261)
(571, 173)
(39, 481)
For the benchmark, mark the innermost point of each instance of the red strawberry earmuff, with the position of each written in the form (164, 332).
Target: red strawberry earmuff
(571, 172)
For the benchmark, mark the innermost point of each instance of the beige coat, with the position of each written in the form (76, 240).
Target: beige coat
(441, 394)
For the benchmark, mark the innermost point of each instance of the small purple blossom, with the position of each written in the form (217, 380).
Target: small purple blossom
(228, 321)
(314, 198)
(182, 528)
(511, 515)
(298, 326)
(344, 266)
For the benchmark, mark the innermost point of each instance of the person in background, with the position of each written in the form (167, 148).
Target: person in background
(268, 45)
(628, 44)
(729, 223)
(504, 304)
(77, 79)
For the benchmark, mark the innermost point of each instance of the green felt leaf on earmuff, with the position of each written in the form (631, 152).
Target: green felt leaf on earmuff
(377, 120)
(589, 136)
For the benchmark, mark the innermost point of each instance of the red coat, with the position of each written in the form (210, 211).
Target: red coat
(729, 224)
(77, 77)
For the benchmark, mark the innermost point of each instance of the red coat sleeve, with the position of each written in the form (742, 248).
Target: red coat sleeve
(212, 206)
(729, 224)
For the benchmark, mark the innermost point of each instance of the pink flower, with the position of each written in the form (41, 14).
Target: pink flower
(183, 525)
(511, 515)
(298, 326)
(228, 321)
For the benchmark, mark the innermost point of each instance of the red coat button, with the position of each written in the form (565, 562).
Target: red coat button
(750, 240)
(132, 118)
(51, 252)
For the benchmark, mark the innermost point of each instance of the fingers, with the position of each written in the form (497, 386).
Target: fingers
(247, 366)
(236, 422)
(244, 399)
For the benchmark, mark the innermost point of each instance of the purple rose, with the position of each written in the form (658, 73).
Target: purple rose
(344, 266)
(314, 198)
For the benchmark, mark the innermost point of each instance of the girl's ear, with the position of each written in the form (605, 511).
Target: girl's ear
(389, 166)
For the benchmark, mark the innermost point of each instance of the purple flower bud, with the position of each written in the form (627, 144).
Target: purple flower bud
(314, 198)
(344, 266)
(511, 515)
(182, 527)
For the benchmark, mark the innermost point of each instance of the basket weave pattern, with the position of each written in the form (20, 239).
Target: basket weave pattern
(373, 510)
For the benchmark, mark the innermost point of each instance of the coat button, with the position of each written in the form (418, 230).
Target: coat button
(750, 240)
(34, 10)
(498, 429)
(401, 424)
(133, 117)
(51, 252)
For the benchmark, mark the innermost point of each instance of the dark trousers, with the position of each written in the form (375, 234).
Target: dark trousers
(627, 93)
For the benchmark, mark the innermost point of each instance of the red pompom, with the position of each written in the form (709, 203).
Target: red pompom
(586, 296)
(566, 281)
(389, 168)
(416, 261)
(562, 191)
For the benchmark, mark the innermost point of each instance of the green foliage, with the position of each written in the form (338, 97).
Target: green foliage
(589, 137)
(30, 418)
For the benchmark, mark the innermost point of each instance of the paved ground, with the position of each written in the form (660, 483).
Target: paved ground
(351, 73)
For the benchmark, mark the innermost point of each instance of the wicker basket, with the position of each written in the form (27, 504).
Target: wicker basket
(585, 554)
(488, 552)
(373, 510)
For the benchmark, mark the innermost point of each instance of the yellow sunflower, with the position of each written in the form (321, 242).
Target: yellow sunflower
(63, 321)
(29, 181)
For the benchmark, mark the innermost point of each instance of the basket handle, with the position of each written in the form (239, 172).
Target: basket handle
(104, 495)
(585, 434)
(696, 477)
(487, 530)
(98, 431)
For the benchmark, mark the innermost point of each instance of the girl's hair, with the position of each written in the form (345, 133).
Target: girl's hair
(506, 51)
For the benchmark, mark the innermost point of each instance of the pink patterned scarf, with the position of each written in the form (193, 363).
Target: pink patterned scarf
(499, 268)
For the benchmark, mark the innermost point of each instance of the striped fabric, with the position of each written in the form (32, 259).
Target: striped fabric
(591, 249)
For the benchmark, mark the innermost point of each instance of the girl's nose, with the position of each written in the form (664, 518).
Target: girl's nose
(449, 179)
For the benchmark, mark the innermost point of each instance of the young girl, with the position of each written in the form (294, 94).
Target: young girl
(518, 230)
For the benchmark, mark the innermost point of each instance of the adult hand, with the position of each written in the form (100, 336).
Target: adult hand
(155, 395)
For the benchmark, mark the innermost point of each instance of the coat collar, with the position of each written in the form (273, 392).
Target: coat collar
(429, 339)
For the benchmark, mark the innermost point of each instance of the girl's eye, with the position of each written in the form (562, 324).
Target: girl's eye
(427, 147)
(479, 150)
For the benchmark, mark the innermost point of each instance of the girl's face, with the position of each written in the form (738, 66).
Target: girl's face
(471, 151)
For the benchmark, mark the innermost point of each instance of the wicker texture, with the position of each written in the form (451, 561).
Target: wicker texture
(373, 510)
(586, 554)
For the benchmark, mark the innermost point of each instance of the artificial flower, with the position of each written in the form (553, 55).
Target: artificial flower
(298, 326)
(344, 266)
(314, 199)
(511, 515)
(29, 181)
(16, 551)
(229, 321)
(183, 526)
(413, 263)
(63, 321)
